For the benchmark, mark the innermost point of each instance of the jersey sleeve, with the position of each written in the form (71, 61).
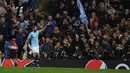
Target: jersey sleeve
(39, 31)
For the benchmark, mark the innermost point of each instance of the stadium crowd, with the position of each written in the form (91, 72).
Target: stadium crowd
(106, 37)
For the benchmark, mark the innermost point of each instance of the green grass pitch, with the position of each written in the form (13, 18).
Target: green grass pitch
(56, 70)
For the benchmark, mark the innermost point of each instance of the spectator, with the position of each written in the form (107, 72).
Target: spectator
(3, 27)
(98, 51)
(21, 37)
(37, 16)
(126, 14)
(123, 24)
(3, 6)
(94, 4)
(64, 25)
(107, 50)
(13, 49)
(93, 21)
(47, 49)
(2, 43)
(50, 28)
(58, 18)
(72, 8)
(22, 24)
(119, 52)
(57, 50)
(66, 49)
(111, 11)
(127, 56)
(20, 9)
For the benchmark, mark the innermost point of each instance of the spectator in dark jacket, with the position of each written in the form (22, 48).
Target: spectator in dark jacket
(21, 37)
(118, 52)
(47, 48)
(50, 28)
(128, 53)
(3, 27)
(2, 43)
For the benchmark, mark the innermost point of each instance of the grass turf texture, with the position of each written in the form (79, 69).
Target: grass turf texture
(56, 70)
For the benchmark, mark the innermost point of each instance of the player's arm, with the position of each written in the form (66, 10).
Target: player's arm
(27, 41)
(43, 29)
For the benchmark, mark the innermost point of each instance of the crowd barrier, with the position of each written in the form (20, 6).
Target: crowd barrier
(92, 64)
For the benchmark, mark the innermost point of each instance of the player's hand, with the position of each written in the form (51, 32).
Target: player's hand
(49, 23)
(25, 47)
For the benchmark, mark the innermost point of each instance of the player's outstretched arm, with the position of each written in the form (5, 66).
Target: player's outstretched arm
(45, 27)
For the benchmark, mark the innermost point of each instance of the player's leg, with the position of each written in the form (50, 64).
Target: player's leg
(36, 57)
(33, 57)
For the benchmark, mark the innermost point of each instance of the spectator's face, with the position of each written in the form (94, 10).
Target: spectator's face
(1, 37)
(57, 15)
(124, 41)
(36, 11)
(96, 44)
(93, 14)
(91, 41)
(2, 20)
(123, 21)
(99, 33)
(117, 32)
(105, 36)
(62, 5)
(91, 35)
(121, 7)
(49, 18)
(20, 4)
(31, 17)
(119, 46)
(47, 40)
(22, 18)
(126, 34)
(86, 4)
(14, 42)
(56, 29)
(86, 45)
(114, 35)
(72, 2)
(20, 30)
(43, 39)
(127, 11)
(73, 18)
(113, 42)
(70, 27)
(65, 21)
(14, 21)
(65, 41)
